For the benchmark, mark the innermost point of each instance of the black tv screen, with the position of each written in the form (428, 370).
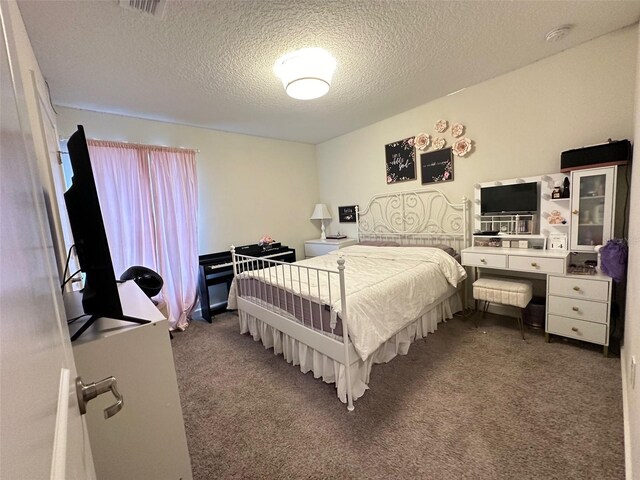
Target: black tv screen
(509, 199)
(100, 295)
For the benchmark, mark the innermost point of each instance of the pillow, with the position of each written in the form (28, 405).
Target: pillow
(450, 250)
(446, 248)
(379, 243)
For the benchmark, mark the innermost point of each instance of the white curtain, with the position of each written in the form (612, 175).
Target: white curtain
(173, 180)
(148, 198)
(121, 174)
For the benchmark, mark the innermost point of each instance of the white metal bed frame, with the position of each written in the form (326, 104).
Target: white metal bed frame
(418, 217)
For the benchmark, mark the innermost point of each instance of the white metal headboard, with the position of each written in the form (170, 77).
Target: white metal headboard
(421, 217)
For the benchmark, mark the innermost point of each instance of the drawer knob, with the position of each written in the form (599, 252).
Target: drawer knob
(576, 288)
(575, 212)
(483, 260)
(575, 309)
(534, 264)
(574, 329)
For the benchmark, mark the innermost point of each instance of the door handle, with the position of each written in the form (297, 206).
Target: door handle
(90, 391)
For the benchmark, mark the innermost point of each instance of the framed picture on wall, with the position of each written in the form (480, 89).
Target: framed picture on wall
(437, 166)
(401, 160)
(347, 214)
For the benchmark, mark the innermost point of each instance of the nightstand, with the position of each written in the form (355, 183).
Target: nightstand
(314, 248)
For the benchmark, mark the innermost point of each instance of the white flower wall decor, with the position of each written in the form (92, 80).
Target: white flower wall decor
(441, 126)
(439, 143)
(457, 129)
(462, 146)
(422, 141)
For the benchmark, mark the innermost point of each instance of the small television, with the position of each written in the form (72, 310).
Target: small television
(518, 198)
(100, 297)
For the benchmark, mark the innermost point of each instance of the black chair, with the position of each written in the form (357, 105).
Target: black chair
(150, 282)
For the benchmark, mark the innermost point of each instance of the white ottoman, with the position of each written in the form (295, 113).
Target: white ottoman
(504, 291)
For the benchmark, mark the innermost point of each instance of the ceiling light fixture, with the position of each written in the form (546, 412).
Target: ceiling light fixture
(558, 33)
(306, 73)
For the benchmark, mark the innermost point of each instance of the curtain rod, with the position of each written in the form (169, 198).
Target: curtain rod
(135, 144)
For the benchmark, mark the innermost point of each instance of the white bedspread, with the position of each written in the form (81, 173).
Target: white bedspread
(386, 287)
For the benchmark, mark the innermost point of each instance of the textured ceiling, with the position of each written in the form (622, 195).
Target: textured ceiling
(209, 64)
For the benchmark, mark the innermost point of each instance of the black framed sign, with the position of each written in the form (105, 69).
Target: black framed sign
(401, 160)
(347, 214)
(437, 166)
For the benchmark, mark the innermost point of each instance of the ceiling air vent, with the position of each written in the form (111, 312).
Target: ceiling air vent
(151, 7)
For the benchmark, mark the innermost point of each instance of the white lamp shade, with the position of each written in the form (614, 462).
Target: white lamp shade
(306, 73)
(320, 212)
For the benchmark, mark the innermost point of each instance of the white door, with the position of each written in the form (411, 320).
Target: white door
(42, 433)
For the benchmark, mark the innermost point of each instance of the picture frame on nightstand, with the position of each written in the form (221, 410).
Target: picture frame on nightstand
(557, 241)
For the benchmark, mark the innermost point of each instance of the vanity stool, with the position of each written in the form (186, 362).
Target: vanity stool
(504, 291)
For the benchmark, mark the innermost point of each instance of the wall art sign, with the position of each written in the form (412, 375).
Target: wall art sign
(401, 160)
(347, 214)
(437, 166)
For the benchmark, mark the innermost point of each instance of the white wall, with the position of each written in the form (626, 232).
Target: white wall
(247, 186)
(520, 123)
(632, 320)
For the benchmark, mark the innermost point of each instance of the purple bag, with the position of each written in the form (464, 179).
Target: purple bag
(613, 259)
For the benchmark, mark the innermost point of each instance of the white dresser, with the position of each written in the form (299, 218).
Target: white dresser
(579, 306)
(315, 248)
(146, 439)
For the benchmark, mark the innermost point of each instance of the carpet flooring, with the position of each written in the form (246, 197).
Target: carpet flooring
(465, 403)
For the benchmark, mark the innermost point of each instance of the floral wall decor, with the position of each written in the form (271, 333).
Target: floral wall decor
(441, 126)
(422, 141)
(457, 129)
(401, 160)
(439, 143)
(461, 146)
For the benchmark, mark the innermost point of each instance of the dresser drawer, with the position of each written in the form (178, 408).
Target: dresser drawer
(579, 309)
(489, 260)
(579, 288)
(578, 329)
(536, 264)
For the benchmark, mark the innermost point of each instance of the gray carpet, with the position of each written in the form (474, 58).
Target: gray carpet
(465, 403)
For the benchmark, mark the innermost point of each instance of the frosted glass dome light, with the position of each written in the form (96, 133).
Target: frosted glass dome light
(306, 73)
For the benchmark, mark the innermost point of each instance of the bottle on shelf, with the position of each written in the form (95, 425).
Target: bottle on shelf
(566, 188)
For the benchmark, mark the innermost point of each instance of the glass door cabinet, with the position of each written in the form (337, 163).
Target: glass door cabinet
(592, 215)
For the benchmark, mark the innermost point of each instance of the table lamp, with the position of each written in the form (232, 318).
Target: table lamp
(321, 212)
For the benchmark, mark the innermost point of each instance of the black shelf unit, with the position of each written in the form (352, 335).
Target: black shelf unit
(217, 268)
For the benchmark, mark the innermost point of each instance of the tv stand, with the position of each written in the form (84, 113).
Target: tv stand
(93, 318)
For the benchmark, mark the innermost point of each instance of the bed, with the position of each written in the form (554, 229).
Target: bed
(339, 314)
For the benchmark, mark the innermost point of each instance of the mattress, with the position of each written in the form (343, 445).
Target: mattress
(306, 311)
(386, 289)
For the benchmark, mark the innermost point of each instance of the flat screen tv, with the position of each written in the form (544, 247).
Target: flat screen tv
(518, 198)
(100, 296)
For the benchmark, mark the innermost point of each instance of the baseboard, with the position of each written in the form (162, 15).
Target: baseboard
(625, 415)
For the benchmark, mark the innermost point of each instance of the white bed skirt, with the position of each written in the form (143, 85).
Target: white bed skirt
(332, 371)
